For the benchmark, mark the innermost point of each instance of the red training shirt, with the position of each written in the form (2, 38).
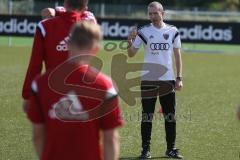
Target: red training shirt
(66, 138)
(49, 46)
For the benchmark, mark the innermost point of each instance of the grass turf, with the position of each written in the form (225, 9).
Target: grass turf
(207, 127)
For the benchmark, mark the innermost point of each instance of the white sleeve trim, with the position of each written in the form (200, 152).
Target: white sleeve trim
(42, 29)
(34, 87)
(60, 9)
(111, 92)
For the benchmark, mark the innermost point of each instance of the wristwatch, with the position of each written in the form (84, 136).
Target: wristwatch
(179, 78)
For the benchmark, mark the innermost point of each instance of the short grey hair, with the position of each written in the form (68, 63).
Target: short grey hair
(156, 4)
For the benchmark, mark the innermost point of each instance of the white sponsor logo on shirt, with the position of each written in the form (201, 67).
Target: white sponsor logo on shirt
(62, 46)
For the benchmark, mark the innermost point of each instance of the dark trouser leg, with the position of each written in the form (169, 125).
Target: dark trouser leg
(168, 103)
(148, 107)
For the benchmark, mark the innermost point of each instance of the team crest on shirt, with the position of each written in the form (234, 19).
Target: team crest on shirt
(166, 36)
(151, 37)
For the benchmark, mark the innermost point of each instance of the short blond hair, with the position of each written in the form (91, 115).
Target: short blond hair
(156, 4)
(83, 34)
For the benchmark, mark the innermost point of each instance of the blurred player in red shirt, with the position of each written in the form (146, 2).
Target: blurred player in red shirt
(50, 41)
(66, 126)
(51, 12)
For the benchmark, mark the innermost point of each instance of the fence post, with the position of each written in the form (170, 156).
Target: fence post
(56, 4)
(10, 11)
(102, 10)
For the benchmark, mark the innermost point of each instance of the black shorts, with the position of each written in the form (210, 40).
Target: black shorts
(165, 90)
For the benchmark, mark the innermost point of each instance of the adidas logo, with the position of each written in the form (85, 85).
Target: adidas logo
(62, 46)
(151, 37)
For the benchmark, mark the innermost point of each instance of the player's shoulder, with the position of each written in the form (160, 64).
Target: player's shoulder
(46, 24)
(49, 21)
(144, 27)
(170, 26)
(103, 81)
(89, 16)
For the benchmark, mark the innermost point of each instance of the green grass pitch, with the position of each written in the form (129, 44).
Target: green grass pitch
(207, 127)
